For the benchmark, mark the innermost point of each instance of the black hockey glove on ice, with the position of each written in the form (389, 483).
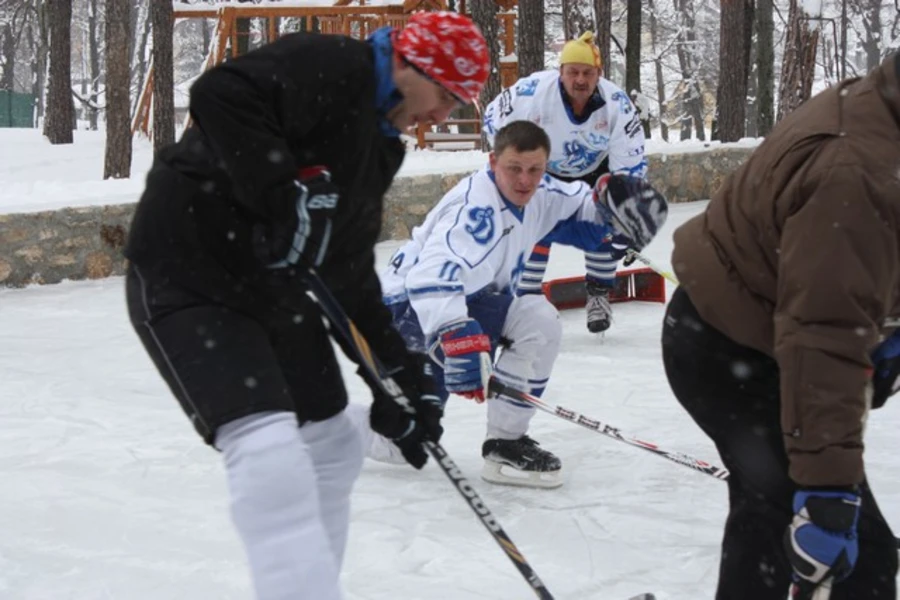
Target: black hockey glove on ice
(415, 416)
(302, 230)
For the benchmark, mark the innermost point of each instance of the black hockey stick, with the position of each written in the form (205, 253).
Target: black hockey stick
(371, 370)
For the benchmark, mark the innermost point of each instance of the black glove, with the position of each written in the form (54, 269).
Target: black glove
(301, 231)
(618, 249)
(414, 417)
(631, 206)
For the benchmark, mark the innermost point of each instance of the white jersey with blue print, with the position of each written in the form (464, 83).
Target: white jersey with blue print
(612, 130)
(475, 240)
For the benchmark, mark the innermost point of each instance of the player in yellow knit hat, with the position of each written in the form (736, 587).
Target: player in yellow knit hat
(594, 129)
(582, 51)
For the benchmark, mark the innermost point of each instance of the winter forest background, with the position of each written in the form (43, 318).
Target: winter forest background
(698, 69)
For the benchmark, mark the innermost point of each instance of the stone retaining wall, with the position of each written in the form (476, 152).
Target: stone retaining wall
(79, 243)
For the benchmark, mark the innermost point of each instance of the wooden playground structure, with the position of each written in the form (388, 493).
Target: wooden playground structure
(345, 18)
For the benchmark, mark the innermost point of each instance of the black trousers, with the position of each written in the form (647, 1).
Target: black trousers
(732, 392)
(225, 362)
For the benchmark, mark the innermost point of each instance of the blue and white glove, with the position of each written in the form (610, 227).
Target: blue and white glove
(886, 378)
(821, 542)
(467, 358)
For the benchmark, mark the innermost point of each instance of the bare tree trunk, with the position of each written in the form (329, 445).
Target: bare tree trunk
(844, 23)
(140, 53)
(530, 40)
(872, 42)
(134, 17)
(686, 51)
(799, 64)
(7, 58)
(576, 18)
(731, 95)
(118, 87)
(751, 126)
(206, 32)
(484, 14)
(657, 64)
(93, 61)
(633, 48)
(765, 68)
(163, 75)
(747, 25)
(603, 16)
(39, 40)
(60, 113)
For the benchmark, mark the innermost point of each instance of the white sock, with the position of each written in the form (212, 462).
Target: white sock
(276, 508)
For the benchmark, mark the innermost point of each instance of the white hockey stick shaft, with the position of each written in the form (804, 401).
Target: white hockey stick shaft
(608, 430)
(634, 254)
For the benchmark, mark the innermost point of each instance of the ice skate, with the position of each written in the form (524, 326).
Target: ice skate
(520, 462)
(597, 309)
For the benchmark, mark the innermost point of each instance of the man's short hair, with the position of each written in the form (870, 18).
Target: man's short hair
(523, 136)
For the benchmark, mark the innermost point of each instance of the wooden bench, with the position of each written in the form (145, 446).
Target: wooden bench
(426, 137)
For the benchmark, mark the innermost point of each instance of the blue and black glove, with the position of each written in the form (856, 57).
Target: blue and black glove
(301, 229)
(632, 207)
(413, 417)
(886, 377)
(467, 358)
(821, 542)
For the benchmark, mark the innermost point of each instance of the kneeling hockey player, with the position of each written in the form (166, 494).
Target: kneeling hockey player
(450, 288)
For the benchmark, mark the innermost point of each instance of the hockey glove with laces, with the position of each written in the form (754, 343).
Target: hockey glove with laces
(632, 207)
(301, 231)
(886, 377)
(467, 359)
(821, 542)
(414, 416)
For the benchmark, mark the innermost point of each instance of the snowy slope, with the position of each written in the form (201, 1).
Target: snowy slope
(106, 492)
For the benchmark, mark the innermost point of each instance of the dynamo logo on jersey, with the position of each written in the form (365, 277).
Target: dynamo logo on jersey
(482, 227)
(598, 141)
(527, 88)
(577, 158)
(624, 102)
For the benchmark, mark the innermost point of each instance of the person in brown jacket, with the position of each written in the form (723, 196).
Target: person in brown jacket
(790, 285)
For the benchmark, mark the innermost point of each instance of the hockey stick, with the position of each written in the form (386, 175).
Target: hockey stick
(635, 255)
(696, 464)
(704, 467)
(812, 591)
(372, 370)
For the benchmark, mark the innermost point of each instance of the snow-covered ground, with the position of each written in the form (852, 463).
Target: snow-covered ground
(36, 176)
(107, 493)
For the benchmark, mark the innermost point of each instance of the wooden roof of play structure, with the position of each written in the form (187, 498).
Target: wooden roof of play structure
(355, 18)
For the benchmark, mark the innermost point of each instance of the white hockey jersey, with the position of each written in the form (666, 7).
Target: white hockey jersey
(613, 130)
(475, 240)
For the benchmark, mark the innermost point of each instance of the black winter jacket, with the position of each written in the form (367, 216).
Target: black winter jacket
(303, 100)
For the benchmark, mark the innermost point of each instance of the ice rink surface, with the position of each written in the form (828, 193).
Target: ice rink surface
(107, 493)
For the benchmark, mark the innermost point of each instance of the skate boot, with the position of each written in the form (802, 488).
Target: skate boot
(520, 462)
(597, 309)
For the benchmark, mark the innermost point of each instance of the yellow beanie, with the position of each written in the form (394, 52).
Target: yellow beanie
(582, 51)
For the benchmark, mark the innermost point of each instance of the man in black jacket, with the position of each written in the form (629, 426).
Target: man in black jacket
(292, 149)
